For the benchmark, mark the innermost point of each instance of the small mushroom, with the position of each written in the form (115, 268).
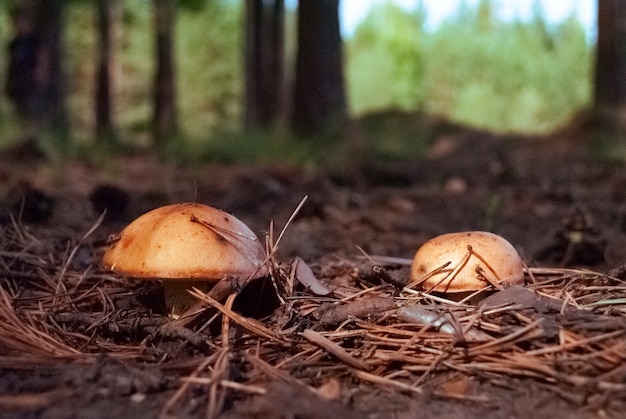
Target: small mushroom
(186, 245)
(466, 261)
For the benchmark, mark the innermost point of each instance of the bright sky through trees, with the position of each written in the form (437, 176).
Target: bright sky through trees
(353, 11)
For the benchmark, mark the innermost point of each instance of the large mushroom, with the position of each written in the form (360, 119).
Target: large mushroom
(466, 261)
(186, 245)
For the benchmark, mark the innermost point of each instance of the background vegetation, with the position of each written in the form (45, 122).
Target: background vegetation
(475, 69)
(506, 76)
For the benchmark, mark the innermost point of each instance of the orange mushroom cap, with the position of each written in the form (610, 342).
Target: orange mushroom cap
(466, 261)
(186, 241)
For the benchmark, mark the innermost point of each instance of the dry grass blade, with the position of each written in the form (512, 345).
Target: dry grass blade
(333, 349)
(172, 401)
(577, 344)
(270, 370)
(67, 263)
(221, 369)
(567, 330)
(274, 245)
(219, 366)
(532, 330)
(243, 387)
(33, 401)
(377, 379)
(19, 337)
(247, 323)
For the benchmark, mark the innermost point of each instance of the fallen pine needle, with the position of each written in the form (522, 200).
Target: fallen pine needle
(252, 325)
(32, 401)
(246, 388)
(376, 379)
(533, 329)
(333, 349)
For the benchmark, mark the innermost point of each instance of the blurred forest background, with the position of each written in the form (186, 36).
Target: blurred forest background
(528, 77)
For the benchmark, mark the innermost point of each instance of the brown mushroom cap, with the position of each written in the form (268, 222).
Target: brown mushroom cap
(491, 259)
(186, 241)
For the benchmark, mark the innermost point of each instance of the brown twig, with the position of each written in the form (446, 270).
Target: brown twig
(333, 349)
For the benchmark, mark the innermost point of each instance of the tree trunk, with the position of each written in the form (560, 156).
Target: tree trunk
(610, 79)
(319, 94)
(104, 88)
(264, 61)
(164, 121)
(51, 24)
(35, 80)
(24, 84)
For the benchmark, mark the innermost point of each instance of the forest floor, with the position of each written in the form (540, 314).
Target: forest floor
(79, 341)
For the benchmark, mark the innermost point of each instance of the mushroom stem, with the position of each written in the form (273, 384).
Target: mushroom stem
(219, 293)
(177, 298)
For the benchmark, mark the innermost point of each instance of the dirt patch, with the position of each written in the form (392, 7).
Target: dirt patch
(78, 341)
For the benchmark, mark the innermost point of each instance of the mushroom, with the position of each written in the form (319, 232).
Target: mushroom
(186, 245)
(466, 261)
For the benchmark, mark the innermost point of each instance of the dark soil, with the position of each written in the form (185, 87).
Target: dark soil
(557, 203)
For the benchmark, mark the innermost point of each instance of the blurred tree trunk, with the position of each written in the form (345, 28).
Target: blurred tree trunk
(51, 24)
(24, 82)
(610, 79)
(263, 61)
(104, 88)
(35, 80)
(164, 120)
(319, 96)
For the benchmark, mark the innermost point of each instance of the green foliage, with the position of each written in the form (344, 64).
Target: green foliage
(80, 66)
(503, 76)
(385, 60)
(208, 68)
(210, 78)
(8, 125)
(193, 5)
(257, 146)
